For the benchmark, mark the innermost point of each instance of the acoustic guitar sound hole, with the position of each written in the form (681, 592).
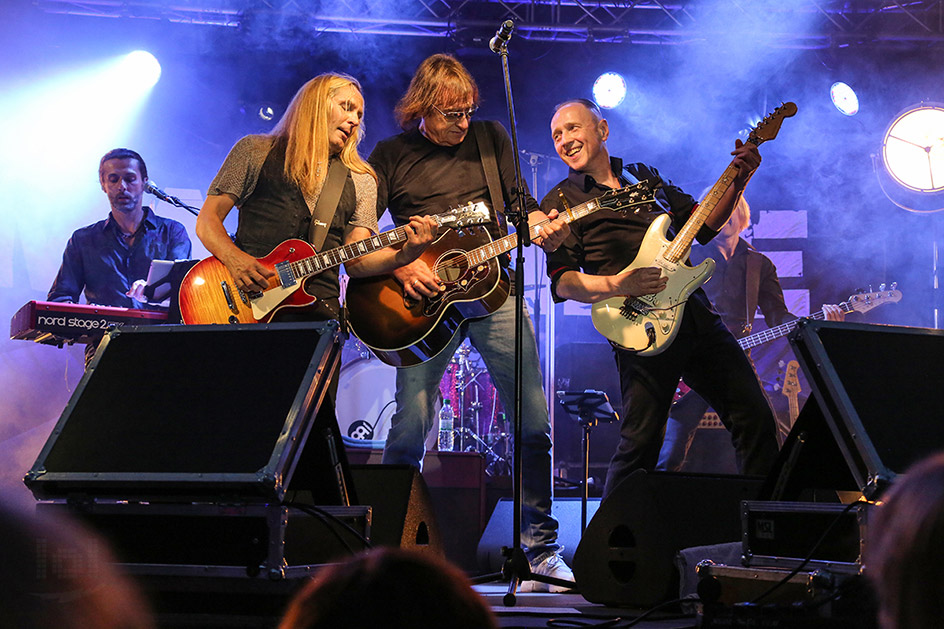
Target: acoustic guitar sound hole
(452, 266)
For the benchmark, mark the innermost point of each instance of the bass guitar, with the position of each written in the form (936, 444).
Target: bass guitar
(647, 325)
(208, 293)
(861, 302)
(403, 332)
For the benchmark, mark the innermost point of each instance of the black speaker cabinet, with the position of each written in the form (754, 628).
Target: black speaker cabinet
(877, 395)
(402, 514)
(189, 412)
(627, 553)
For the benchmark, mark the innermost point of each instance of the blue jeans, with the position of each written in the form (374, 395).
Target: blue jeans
(418, 396)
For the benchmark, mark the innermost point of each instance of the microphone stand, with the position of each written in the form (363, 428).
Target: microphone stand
(175, 201)
(516, 566)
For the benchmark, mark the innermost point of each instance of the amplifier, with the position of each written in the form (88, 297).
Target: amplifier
(784, 534)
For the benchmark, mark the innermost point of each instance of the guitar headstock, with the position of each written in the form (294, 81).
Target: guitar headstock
(769, 127)
(791, 381)
(626, 197)
(863, 302)
(464, 215)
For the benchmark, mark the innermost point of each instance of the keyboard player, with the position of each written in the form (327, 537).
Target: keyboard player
(104, 259)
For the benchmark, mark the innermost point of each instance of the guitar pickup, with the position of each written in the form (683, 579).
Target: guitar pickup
(632, 308)
(284, 272)
(228, 295)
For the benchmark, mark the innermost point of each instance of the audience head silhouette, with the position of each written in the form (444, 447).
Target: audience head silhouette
(388, 588)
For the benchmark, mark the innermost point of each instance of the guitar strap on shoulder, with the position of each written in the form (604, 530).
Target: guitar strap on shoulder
(486, 144)
(327, 203)
(752, 286)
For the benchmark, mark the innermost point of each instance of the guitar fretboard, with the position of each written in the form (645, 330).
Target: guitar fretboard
(335, 257)
(625, 197)
(509, 242)
(765, 336)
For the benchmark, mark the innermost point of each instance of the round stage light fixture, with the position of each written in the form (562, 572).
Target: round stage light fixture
(266, 112)
(844, 98)
(609, 90)
(913, 148)
(145, 67)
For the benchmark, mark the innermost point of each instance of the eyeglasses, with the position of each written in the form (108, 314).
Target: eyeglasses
(456, 116)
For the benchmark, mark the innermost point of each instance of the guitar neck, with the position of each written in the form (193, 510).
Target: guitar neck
(338, 256)
(683, 240)
(765, 336)
(509, 242)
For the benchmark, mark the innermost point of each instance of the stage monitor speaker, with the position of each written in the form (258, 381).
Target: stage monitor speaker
(627, 554)
(188, 412)
(877, 390)
(401, 511)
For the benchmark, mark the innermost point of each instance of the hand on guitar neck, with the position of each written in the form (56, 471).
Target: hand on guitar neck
(419, 280)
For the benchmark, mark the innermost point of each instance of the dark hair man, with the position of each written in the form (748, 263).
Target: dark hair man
(104, 259)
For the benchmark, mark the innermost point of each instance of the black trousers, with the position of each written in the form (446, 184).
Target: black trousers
(715, 367)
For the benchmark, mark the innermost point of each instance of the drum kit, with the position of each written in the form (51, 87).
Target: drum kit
(365, 404)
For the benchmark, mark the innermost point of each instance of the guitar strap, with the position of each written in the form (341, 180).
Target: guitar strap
(752, 287)
(327, 203)
(486, 144)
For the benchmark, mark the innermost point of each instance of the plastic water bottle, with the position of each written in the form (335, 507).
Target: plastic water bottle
(446, 420)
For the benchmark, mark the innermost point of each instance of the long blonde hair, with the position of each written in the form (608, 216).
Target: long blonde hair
(305, 127)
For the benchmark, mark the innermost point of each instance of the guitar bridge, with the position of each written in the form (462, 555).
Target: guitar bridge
(633, 308)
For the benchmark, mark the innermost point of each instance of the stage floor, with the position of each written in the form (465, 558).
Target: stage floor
(535, 610)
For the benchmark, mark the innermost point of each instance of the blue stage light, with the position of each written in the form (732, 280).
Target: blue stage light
(609, 90)
(144, 68)
(844, 98)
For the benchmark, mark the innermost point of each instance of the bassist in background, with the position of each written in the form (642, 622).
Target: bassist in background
(743, 281)
(435, 163)
(588, 268)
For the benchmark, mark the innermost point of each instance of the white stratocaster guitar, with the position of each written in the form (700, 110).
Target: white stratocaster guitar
(648, 324)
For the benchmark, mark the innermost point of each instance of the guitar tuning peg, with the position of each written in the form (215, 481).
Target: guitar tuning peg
(881, 286)
(894, 285)
(781, 364)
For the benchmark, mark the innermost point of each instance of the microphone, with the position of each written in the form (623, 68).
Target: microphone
(150, 188)
(502, 35)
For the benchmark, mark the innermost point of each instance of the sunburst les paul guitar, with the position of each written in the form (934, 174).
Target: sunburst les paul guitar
(403, 332)
(648, 324)
(208, 293)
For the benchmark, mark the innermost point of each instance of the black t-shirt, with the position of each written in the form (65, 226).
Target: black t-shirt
(417, 177)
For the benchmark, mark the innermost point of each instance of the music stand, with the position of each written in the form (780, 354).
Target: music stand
(588, 408)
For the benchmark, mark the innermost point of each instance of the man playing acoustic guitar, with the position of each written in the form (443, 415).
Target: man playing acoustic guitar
(590, 267)
(437, 162)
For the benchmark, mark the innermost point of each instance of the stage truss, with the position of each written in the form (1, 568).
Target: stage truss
(826, 23)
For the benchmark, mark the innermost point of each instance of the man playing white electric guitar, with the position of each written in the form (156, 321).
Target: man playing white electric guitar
(609, 256)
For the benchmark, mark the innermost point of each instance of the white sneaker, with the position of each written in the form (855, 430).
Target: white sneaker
(551, 565)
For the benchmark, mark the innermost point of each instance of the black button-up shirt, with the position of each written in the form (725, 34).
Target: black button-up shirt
(607, 241)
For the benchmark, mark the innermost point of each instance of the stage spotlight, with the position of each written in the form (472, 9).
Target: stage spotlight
(844, 98)
(144, 68)
(913, 148)
(266, 112)
(609, 90)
